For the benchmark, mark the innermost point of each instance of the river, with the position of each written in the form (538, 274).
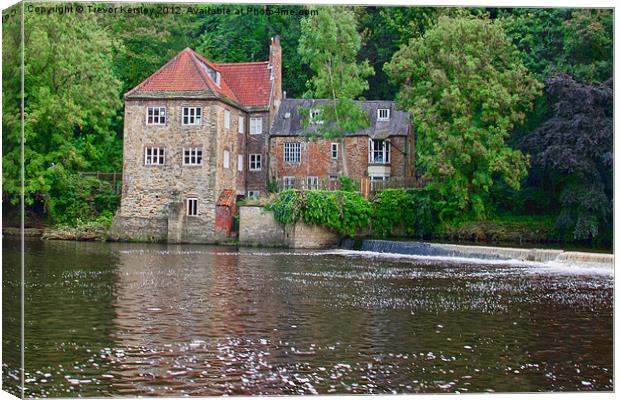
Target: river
(106, 319)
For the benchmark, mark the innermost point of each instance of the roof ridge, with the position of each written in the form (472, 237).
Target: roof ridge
(242, 63)
(150, 77)
(204, 78)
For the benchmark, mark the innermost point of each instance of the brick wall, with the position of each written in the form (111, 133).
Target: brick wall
(257, 144)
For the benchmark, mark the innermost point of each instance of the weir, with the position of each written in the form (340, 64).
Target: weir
(483, 252)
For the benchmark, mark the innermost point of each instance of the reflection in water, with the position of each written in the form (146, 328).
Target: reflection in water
(136, 319)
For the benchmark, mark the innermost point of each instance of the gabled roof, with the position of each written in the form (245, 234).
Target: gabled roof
(287, 122)
(187, 76)
(251, 81)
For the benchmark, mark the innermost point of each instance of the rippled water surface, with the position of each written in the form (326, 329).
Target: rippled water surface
(137, 319)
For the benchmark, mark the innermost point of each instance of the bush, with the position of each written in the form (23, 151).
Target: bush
(410, 209)
(75, 200)
(343, 212)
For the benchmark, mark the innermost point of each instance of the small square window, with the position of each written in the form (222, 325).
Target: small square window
(192, 156)
(255, 162)
(154, 156)
(312, 183)
(156, 115)
(253, 194)
(192, 206)
(383, 114)
(191, 115)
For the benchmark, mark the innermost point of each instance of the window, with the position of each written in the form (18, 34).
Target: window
(241, 124)
(240, 162)
(292, 153)
(226, 159)
(383, 114)
(154, 156)
(253, 194)
(192, 115)
(378, 151)
(192, 156)
(288, 182)
(255, 162)
(226, 119)
(334, 151)
(256, 126)
(215, 75)
(314, 115)
(312, 183)
(192, 206)
(156, 115)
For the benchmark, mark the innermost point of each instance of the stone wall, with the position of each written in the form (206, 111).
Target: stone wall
(258, 227)
(150, 190)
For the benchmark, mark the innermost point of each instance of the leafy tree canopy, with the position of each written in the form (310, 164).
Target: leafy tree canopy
(329, 44)
(71, 100)
(465, 86)
(575, 148)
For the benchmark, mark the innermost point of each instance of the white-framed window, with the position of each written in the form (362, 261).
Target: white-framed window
(192, 115)
(226, 159)
(256, 126)
(191, 205)
(256, 162)
(226, 119)
(239, 162)
(241, 124)
(192, 156)
(334, 151)
(314, 116)
(154, 156)
(253, 194)
(156, 115)
(378, 151)
(288, 182)
(292, 153)
(312, 182)
(383, 114)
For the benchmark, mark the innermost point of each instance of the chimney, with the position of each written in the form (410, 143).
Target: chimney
(275, 59)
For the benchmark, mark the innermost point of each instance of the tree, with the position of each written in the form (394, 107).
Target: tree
(236, 38)
(466, 87)
(71, 100)
(574, 149)
(329, 44)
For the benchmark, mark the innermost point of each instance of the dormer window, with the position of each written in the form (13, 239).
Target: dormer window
(314, 115)
(215, 75)
(383, 114)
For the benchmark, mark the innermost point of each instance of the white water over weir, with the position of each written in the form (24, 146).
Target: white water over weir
(484, 252)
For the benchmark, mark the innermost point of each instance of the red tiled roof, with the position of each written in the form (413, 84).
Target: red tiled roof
(251, 81)
(248, 84)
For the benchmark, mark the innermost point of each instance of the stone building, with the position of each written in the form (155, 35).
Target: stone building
(199, 135)
(195, 132)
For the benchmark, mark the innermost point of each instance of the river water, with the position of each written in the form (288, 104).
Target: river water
(144, 319)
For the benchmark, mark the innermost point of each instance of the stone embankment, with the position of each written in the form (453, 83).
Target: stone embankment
(484, 252)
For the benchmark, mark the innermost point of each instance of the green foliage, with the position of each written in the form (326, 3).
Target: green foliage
(348, 185)
(579, 42)
(272, 186)
(74, 200)
(71, 100)
(343, 212)
(465, 86)
(410, 209)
